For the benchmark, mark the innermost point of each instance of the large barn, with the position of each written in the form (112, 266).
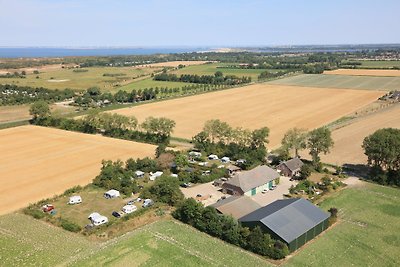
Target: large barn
(294, 221)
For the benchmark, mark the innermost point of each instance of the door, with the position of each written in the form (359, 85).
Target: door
(253, 191)
(270, 185)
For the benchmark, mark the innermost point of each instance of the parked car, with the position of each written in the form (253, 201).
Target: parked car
(48, 208)
(116, 214)
(186, 185)
(265, 190)
(147, 203)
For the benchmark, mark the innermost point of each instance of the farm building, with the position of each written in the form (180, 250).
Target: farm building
(291, 167)
(112, 193)
(236, 206)
(294, 221)
(251, 182)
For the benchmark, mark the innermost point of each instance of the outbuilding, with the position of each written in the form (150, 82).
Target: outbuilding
(291, 167)
(236, 206)
(251, 182)
(294, 221)
(112, 194)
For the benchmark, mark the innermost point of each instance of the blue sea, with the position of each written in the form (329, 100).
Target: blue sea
(19, 52)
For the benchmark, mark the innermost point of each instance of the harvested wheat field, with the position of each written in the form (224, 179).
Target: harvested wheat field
(38, 162)
(348, 140)
(364, 72)
(276, 106)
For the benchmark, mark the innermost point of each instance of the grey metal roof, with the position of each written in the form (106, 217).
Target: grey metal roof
(288, 218)
(246, 180)
(236, 206)
(293, 164)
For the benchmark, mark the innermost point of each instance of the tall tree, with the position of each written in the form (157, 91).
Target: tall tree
(319, 141)
(39, 110)
(295, 139)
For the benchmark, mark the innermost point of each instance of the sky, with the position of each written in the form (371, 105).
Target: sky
(212, 23)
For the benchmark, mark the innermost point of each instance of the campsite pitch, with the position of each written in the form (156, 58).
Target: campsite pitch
(277, 107)
(40, 162)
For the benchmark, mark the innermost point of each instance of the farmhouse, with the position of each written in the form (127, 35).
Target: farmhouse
(294, 221)
(112, 193)
(251, 182)
(236, 206)
(291, 167)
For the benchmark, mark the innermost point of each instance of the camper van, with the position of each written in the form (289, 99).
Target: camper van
(129, 208)
(75, 200)
(147, 203)
(97, 219)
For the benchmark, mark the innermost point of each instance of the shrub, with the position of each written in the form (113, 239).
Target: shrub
(70, 226)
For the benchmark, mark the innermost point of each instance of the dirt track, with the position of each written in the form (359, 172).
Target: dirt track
(38, 162)
(363, 72)
(348, 140)
(276, 106)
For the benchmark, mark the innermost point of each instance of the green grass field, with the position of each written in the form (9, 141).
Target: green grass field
(342, 81)
(67, 78)
(377, 64)
(167, 243)
(367, 234)
(210, 69)
(25, 241)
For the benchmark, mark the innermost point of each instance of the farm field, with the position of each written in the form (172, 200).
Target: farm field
(364, 72)
(255, 106)
(367, 232)
(341, 81)
(174, 63)
(376, 64)
(21, 112)
(348, 139)
(168, 243)
(210, 69)
(25, 241)
(40, 162)
(67, 78)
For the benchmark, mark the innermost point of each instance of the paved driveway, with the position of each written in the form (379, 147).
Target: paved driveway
(205, 190)
(272, 195)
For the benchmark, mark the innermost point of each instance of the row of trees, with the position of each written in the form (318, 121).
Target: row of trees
(269, 75)
(383, 151)
(151, 130)
(218, 137)
(207, 219)
(15, 95)
(217, 78)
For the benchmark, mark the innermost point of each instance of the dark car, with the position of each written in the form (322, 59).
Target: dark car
(116, 214)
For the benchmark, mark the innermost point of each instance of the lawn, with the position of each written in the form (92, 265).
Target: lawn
(168, 243)
(67, 78)
(366, 235)
(25, 241)
(341, 81)
(210, 69)
(92, 201)
(376, 64)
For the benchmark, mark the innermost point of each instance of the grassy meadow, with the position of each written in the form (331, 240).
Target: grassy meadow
(341, 81)
(377, 64)
(67, 78)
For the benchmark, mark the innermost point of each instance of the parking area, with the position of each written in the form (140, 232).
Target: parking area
(209, 193)
(272, 195)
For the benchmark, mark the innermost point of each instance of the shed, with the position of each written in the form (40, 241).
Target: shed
(294, 221)
(291, 167)
(112, 193)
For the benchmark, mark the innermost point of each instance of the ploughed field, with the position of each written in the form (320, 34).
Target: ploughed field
(348, 139)
(275, 106)
(364, 72)
(38, 162)
(342, 81)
